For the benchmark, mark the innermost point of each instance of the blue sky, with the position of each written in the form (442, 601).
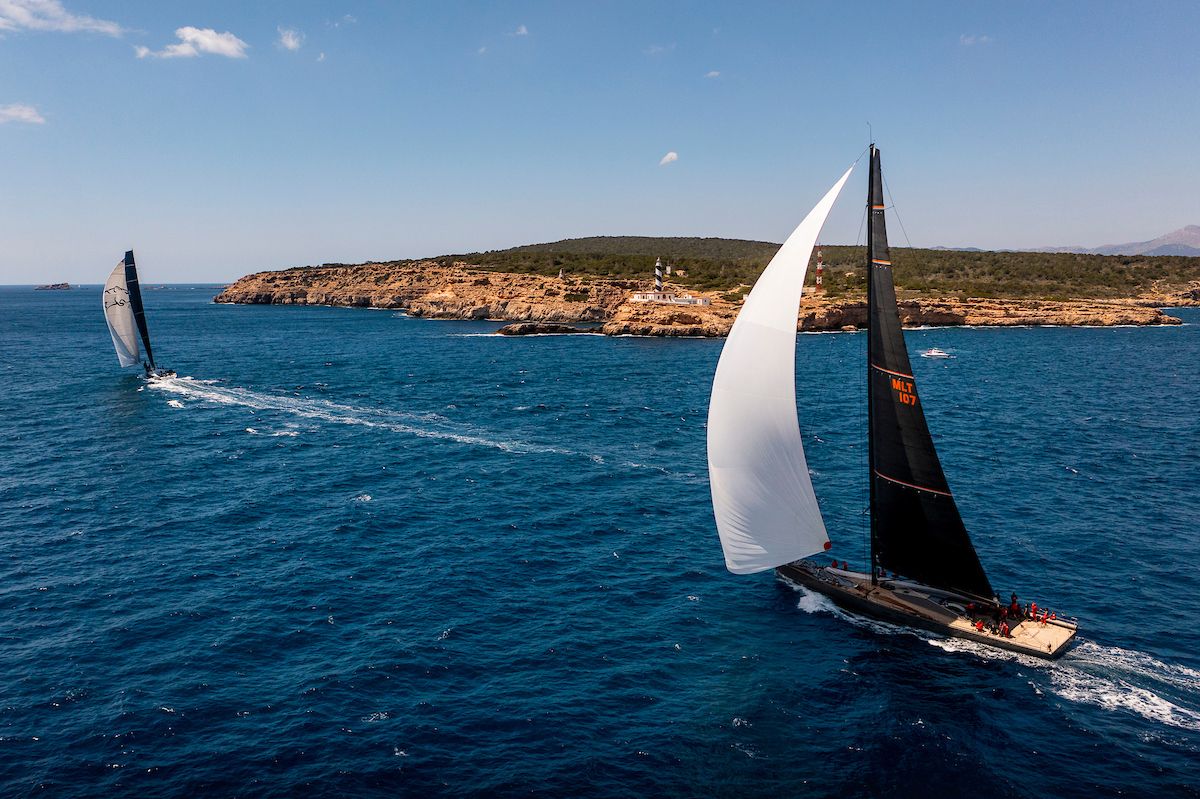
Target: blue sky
(220, 138)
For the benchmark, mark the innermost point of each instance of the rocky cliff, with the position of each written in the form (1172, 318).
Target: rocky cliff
(459, 291)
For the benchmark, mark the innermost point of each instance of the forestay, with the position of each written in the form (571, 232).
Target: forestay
(763, 498)
(118, 312)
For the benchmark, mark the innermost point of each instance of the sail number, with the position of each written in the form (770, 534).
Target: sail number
(906, 393)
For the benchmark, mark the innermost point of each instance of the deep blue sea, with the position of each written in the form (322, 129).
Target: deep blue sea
(349, 553)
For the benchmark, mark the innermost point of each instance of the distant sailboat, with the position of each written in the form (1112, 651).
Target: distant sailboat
(127, 318)
(763, 498)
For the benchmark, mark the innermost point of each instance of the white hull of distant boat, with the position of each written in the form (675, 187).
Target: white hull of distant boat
(934, 352)
(763, 498)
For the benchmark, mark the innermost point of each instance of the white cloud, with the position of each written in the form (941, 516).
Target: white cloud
(290, 38)
(521, 31)
(669, 158)
(17, 112)
(195, 41)
(659, 49)
(481, 50)
(49, 15)
(713, 74)
(968, 39)
(320, 57)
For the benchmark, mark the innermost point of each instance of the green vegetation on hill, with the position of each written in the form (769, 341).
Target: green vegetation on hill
(729, 265)
(1020, 275)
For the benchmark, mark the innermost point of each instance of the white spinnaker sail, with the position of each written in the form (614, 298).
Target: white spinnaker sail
(118, 312)
(763, 498)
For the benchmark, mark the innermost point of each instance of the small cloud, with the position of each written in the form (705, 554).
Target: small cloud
(481, 50)
(290, 38)
(49, 15)
(669, 158)
(713, 74)
(320, 57)
(658, 49)
(18, 112)
(520, 31)
(348, 19)
(196, 41)
(969, 39)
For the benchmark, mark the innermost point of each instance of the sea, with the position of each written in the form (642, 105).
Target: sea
(351, 553)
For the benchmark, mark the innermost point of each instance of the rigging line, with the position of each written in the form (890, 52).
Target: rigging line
(897, 213)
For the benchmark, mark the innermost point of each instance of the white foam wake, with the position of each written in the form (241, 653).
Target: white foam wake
(424, 425)
(1108, 677)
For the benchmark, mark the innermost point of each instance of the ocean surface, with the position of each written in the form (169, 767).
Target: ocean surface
(351, 553)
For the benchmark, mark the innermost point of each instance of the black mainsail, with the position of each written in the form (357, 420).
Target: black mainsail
(135, 302)
(916, 530)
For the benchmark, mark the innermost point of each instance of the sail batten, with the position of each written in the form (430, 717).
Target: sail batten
(916, 529)
(763, 499)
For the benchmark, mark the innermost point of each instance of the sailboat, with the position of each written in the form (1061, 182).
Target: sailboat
(127, 318)
(924, 571)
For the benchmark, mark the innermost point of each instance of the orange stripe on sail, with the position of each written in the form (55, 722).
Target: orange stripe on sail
(881, 263)
(912, 485)
(890, 372)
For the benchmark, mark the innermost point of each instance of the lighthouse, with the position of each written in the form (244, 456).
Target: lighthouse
(657, 274)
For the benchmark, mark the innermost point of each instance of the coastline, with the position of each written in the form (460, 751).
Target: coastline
(434, 290)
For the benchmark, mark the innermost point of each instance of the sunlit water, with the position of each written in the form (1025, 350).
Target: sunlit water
(347, 552)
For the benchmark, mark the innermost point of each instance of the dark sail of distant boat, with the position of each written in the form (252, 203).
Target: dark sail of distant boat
(135, 301)
(916, 529)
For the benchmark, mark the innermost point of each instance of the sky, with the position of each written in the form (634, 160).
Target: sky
(221, 138)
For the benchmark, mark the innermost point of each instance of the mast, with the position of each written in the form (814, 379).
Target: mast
(916, 529)
(135, 301)
(874, 176)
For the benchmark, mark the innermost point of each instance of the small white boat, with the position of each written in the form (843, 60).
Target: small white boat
(934, 352)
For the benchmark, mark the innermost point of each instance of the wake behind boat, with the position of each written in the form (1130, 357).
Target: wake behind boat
(126, 318)
(763, 498)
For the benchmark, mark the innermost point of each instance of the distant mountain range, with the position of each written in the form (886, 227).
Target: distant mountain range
(1185, 241)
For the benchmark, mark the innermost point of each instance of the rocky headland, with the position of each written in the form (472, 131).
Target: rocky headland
(459, 290)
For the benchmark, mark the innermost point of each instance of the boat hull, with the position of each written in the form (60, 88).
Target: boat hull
(913, 605)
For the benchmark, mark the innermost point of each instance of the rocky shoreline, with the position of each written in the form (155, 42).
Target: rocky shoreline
(436, 291)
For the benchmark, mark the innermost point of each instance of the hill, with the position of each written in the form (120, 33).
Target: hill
(732, 265)
(1185, 241)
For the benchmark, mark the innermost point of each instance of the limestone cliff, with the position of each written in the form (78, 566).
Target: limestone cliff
(459, 291)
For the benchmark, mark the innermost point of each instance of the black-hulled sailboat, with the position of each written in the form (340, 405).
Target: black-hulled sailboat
(127, 318)
(766, 509)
